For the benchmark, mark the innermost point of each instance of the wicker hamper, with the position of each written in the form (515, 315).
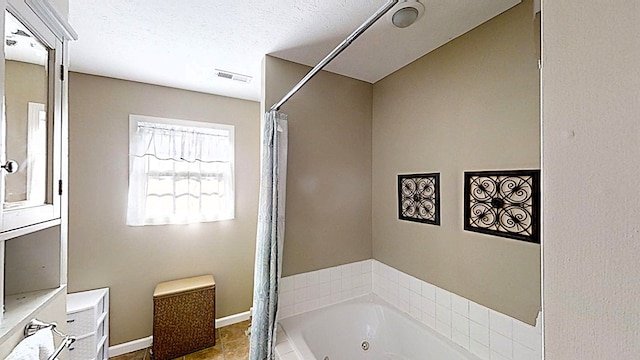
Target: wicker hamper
(183, 316)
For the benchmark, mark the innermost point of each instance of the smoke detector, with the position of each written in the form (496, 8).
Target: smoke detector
(232, 76)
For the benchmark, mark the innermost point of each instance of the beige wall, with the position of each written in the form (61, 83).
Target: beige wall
(329, 167)
(104, 252)
(472, 104)
(591, 82)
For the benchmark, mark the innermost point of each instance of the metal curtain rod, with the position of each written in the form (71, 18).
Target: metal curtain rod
(335, 52)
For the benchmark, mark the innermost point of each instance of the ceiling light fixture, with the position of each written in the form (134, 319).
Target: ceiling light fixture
(407, 13)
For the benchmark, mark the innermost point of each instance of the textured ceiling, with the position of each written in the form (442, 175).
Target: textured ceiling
(180, 43)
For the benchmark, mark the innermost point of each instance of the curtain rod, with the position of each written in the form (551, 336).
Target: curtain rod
(335, 52)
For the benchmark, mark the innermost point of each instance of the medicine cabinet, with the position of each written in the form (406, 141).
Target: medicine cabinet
(31, 140)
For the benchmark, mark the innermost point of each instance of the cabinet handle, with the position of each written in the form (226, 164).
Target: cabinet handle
(70, 321)
(11, 166)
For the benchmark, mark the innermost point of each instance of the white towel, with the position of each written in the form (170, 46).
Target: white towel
(38, 346)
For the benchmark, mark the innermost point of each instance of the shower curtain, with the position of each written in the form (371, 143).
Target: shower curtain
(270, 236)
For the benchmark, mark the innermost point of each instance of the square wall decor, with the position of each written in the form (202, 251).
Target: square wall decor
(503, 203)
(419, 198)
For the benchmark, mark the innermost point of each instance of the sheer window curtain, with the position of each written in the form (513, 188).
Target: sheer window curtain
(196, 164)
(270, 236)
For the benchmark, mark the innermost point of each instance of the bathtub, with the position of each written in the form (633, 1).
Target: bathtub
(366, 328)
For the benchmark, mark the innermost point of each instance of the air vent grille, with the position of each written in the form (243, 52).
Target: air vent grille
(233, 76)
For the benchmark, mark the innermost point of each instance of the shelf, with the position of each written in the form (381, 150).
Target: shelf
(20, 308)
(8, 235)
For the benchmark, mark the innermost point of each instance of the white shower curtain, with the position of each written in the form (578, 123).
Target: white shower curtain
(270, 236)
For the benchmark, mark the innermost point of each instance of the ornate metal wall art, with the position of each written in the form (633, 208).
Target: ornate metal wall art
(419, 198)
(503, 203)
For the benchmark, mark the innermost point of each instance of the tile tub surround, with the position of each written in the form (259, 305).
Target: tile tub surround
(312, 290)
(486, 333)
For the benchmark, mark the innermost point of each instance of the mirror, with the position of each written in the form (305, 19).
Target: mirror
(27, 129)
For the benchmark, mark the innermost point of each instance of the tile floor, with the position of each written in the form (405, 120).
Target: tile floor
(231, 344)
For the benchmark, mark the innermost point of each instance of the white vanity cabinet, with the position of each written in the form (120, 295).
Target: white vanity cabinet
(88, 321)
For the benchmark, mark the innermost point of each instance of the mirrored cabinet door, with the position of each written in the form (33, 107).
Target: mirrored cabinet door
(30, 130)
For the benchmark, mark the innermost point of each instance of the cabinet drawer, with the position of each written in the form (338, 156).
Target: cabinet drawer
(103, 349)
(100, 309)
(83, 349)
(82, 322)
(101, 354)
(100, 330)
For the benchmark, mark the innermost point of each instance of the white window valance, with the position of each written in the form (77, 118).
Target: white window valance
(181, 143)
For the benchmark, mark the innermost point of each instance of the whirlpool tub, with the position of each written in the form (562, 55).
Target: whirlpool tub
(366, 328)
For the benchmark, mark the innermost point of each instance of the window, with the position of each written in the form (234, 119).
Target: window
(180, 171)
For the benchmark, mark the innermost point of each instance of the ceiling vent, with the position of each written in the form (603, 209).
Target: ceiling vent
(232, 76)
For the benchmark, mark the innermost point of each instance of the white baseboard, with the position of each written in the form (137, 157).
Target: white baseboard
(233, 319)
(144, 343)
(130, 346)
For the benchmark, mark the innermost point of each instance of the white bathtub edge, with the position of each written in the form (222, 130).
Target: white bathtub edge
(284, 348)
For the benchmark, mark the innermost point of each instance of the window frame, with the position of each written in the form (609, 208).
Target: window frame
(135, 119)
